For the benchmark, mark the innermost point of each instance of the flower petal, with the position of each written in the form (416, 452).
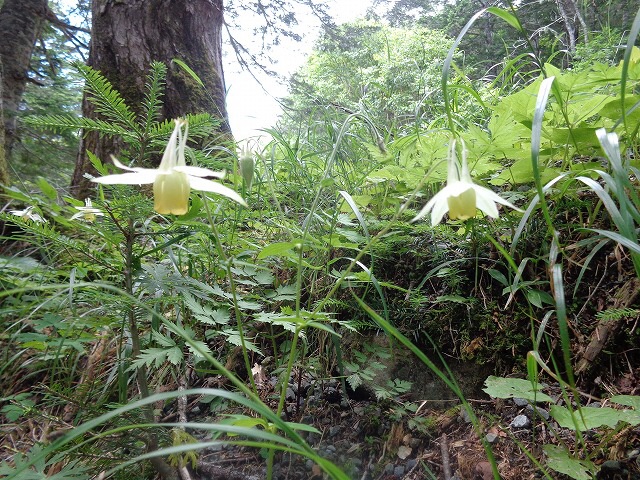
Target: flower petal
(486, 200)
(440, 207)
(138, 177)
(214, 187)
(199, 171)
(120, 165)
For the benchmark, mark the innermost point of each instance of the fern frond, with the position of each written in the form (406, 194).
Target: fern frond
(67, 122)
(106, 99)
(153, 97)
(615, 314)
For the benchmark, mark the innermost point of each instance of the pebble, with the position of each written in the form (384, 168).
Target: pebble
(521, 402)
(333, 431)
(541, 412)
(290, 393)
(388, 468)
(464, 415)
(411, 463)
(491, 438)
(398, 471)
(521, 421)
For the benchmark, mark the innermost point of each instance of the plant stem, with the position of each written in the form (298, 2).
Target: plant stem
(165, 471)
(232, 284)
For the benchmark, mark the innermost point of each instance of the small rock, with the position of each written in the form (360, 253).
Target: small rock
(404, 451)
(464, 415)
(521, 402)
(521, 421)
(290, 393)
(491, 438)
(388, 468)
(541, 412)
(398, 471)
(333, 431)
(411, 463)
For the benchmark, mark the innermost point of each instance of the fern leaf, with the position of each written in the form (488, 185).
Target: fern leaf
(106, 99)
(153, 97)
(63, 123)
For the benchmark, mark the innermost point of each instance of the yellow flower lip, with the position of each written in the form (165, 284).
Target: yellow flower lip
(173, 180)
(87, 213)
(461, 197)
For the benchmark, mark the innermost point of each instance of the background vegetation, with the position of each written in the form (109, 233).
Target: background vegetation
(115, 318)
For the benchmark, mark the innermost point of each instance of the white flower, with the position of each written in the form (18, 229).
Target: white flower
(461, 197)
(28, 214)
(173, 179)
(87, 213)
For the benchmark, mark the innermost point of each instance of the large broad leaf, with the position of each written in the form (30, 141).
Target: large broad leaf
(559, 459)
(628, 400)
(587, 418)
(500, 387)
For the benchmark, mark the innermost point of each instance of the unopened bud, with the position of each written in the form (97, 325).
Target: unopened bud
(247, 166)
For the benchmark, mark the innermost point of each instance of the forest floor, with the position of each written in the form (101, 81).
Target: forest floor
(377, 440)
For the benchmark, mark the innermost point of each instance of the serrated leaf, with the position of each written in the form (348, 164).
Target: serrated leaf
(500, 387)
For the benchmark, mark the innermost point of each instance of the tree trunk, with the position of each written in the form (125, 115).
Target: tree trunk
(20, 23)
(4, 170)
(126, 36)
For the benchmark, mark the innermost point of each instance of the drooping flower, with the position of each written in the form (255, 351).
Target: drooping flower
(247, 165)
(88, 213)
(461, 197)
(28, 215)
(173, 179)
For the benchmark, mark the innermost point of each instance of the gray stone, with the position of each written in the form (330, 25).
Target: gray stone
(388, 468)
(521, 421)
(491, 438)
(398, 471)
(333, 431)
(464, 415)
(521, 402)
(411, 463)
(540, 412)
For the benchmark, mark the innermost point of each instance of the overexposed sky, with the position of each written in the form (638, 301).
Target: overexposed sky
(250, 107)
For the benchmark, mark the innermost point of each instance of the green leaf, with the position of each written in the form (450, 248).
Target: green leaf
(628, 400)
(278, 249)
(538, 298)
(559, 459)
(587, 418)
(500, 387)
(506, 16)
(187, 69)
(47, 189)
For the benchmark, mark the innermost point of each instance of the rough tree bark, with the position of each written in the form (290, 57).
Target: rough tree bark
(127, 35)
(20, 23)
(4, 170)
